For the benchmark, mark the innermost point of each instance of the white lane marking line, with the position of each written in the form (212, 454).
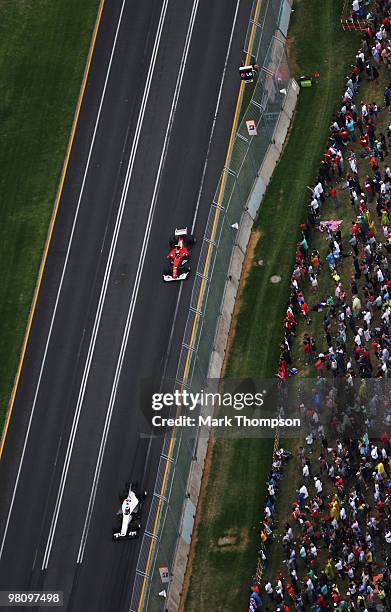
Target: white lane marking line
(102, 297)
(135, 289)
(202, 180)
(62, 279)
(215, 118)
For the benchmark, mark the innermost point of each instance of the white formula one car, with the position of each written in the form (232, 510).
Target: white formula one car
(128, 515)
(179, 256)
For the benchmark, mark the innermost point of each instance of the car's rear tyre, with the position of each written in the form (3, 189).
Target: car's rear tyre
(172, 241)
(167, 271)
(190, 239)
(185, 270)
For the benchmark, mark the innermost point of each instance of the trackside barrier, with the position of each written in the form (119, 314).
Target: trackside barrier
(260, 565)
(349, 21)
(166, 541)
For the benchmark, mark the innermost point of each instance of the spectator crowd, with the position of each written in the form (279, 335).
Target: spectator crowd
(336, 545)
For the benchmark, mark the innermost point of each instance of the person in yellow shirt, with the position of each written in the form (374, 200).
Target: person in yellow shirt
(380, 469)
(329, 570)
(334, 509)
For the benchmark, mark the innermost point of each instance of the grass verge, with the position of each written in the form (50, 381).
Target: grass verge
(226, 537)
(43, 50)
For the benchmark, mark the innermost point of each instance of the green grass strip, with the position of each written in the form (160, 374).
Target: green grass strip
(227, 536)
(43, 51)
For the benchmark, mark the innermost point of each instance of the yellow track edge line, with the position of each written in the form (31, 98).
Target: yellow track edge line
(51, 226)
(200, 295)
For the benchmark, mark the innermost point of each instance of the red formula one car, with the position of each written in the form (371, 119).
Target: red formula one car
(179, 256)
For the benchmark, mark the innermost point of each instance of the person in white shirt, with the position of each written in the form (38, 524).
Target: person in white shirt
(310, 440)
(269, 589)
(367, 317)
(349, 93)
(303, 491)
(306, 471)
(379, 275)
(318, 485)
(310, 584)
(386, 315)
(315, 206)
(268, 512)
(353, 163)
(318, 191)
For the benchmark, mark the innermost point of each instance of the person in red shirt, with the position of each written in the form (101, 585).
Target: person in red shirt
(357, 352)
(344, 135)
(337, 162)
(307, 347)
(290, 316)
(319, 366)
(322, 603)
(297, 513)
(334, 196)
(376, 348)
(364, 141)
(315, 262)
(374, 164)
(335, 596)
(363, 206)
(283, 370)
(328, 155)
(355, 229)
(291, 591)
(305, 311)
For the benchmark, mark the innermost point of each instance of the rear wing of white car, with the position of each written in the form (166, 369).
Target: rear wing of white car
(181, 232)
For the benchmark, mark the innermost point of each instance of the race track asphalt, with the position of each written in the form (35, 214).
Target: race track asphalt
(77, 390)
